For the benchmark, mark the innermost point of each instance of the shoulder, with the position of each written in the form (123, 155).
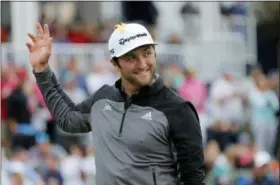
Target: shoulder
(177, 107)
(106, 92)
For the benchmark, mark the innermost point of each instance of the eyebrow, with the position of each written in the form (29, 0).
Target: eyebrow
(147, 48)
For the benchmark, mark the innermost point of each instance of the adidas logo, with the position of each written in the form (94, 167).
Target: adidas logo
(107, 107)
(147, 116)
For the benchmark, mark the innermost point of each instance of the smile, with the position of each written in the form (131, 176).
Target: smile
(142, 72)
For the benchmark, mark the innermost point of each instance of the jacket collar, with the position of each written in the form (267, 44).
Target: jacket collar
(147, 90)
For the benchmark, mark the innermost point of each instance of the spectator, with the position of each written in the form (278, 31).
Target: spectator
(7, 86)
(211, 153)
(42, 149)
(264, 103)
(246, 152)
(248, 85)
(224, 166)
(88, 166)
(71, 167)
(17, 176)
(39, 114)
(224, 132)
(173, 76)
(77, 95)
(4, 169)
(80, 78)
(53, 175)
(72, 89)
(195, 91)
(20, 160)
(225, 100)
(99, 76)
(261, 171)
(19, 115)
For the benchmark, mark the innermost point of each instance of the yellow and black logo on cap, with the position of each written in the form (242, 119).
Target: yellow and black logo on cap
(120, 27)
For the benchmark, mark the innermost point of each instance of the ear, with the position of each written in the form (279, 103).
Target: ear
(113, 62)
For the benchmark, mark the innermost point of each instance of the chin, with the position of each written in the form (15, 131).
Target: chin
(145, 82)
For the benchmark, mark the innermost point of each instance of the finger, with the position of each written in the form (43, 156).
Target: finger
(40, 31)
(29, 46)
(46, 31)
(50, 45)
(32, 37)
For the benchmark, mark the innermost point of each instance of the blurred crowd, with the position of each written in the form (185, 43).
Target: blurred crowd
(77, 30)
(238, 117)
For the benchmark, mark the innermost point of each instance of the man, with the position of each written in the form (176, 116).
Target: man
(43, 148)
(225, 99)
(19, 158)
(195, 91)
(19, 114)
(136, 122)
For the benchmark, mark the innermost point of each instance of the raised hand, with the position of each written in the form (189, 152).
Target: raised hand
(40, 48)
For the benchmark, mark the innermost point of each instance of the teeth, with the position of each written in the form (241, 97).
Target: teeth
(141, 72)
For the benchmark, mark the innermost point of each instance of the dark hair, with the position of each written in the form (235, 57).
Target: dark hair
(116, 61)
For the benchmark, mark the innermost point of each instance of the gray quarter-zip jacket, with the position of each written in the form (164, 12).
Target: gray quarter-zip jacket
(135, 138)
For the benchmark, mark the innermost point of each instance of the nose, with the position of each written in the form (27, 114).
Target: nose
(141, 63)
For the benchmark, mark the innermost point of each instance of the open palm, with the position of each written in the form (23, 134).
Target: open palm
(40, 48)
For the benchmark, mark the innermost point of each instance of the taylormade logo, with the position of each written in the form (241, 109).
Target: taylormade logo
(123, 41)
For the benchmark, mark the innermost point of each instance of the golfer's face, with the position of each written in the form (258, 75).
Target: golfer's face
(138, 66)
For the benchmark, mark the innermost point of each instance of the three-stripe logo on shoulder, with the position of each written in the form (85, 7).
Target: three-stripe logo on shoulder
(147, 116)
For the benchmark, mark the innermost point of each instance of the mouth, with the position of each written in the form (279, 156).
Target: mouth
(142, 72)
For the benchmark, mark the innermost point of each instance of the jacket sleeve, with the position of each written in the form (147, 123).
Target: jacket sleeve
(187, 139)
(69, 117)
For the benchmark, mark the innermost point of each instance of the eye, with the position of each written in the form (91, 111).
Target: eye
(129, 58)
(147, 53)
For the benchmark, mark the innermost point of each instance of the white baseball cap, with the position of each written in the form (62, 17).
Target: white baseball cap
(261, 158)
(127, 37)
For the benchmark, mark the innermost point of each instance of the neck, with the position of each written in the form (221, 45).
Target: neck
(129, 89)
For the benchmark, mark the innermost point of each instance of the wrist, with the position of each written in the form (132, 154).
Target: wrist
(40, 69)
(44, 75)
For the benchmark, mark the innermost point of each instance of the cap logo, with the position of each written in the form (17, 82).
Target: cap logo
(120, 27)
(122, 41)
(112, 51)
